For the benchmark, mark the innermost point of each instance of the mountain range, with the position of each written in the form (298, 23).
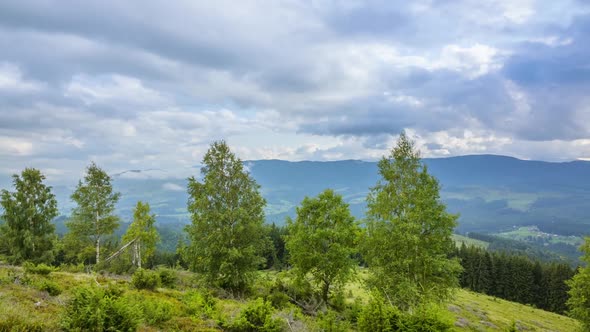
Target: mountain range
(490, 193)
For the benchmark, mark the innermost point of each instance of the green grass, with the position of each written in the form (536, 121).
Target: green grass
(24, 306)
(520, 201)
(528, 232)
(478, 312)
(460, 239)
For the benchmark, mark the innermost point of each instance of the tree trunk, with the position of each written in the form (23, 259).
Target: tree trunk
(97, 240)
(326, 292)
(139, 254)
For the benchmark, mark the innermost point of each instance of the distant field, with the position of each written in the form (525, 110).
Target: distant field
(460, 239)
(532, 233)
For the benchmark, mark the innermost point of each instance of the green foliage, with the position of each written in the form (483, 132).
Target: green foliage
(145, 279)
(18, 323)
(168, 277)
(154, 310)
(227, 235)
(408, 234)
(322, 240)
(579, 293)
(50, 287)
(27, 230)
(200, 303)
(377, 316)
(93, 217)
(515, 278)
(331, 321)
(257, 317)
(40, 269)
(97, 309)
(143, 232)
(276, 256)
(427, 319)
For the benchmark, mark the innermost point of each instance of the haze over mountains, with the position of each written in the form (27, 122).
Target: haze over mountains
(491, 193)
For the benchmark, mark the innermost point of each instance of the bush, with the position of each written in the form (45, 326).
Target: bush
(145, 279)
(40, 269)
(73, 268)
(427, 319)
(97, 309)
(16, 317)
(378, 316)
(198, 303)
(331, 322)
(257, 317)
(50, 287)
(154, 310)
(168, 277)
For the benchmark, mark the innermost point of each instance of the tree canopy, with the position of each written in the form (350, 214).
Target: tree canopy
(408, 234)
(93, 218)
(226, 234)
(579, 293)
(143, 233)
(28, 212)
(322, 239)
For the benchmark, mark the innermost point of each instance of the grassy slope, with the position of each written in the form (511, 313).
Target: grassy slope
(473, 311)
(460, 239)
(480, 312)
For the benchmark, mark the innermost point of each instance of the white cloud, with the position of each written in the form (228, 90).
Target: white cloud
(12, 80)
(172, 187)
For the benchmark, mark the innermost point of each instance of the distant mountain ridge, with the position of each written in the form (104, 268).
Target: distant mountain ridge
(490, 192)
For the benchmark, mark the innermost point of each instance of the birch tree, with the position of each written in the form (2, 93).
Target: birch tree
(143, 234)
(408, 234)
(93, 218)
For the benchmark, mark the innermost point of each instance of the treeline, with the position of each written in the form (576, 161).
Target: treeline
(406, 242)
(515, 278)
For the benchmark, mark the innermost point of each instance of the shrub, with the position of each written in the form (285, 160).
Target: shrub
(40, 269)
(378, 316)
(331, 322)
(97, 309)
(154, 310)
(198, 303)
(168, 277)
(73, 268)
(257, 317)
(426, 319)
(50, 287)
(145, 279)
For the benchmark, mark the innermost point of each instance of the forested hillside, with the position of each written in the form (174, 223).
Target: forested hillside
(397, 269)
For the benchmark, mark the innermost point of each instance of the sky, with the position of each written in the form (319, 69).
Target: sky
(150, 84)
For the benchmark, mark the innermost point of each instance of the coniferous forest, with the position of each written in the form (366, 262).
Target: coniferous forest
(396, 270)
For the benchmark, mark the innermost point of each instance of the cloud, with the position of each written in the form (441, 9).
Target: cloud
(172, 187)
(151, 86)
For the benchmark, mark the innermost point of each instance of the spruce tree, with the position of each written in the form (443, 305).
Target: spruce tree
(408, 234)
(27, 214)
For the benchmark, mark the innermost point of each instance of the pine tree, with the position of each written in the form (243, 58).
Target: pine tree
(28, 212)
(408, 234)
(93, 218)
(226, 234)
